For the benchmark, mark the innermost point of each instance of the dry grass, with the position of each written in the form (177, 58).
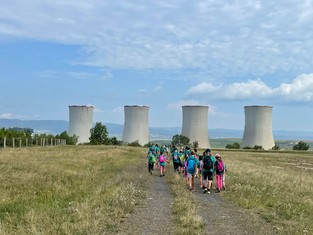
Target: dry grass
(185, 207)
(278, 185)
(68, 190)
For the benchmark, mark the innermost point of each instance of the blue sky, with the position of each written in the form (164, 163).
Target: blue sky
(164, 54)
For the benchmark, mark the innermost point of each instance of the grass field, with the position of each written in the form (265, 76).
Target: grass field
(68, 190)
(277, 185)
(88, 189)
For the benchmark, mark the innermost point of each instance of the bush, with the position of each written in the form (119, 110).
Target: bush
(195, 144)
(257, 147)
(235, 145)
(301, 146)
(180, 139)
(134, 144)
(276, 147)
(247, 147)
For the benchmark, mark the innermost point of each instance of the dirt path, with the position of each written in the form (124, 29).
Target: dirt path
(222, 217)
(154, 216)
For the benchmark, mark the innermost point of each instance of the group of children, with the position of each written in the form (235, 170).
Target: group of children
(192, 165)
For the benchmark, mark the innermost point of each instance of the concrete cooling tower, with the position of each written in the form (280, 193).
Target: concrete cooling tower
(258, 127)
(195, 124)
(136, 124)
(80, 122)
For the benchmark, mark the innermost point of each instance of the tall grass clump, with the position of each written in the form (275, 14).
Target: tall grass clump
(68, 190)
(185, 207)
(277, 185)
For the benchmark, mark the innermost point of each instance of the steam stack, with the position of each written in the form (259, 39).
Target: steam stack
(258, 127)
(136, 124)
(195, 124)
(80, 122)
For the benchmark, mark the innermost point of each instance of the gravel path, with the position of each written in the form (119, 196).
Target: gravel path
(222, 217)
(154, 216)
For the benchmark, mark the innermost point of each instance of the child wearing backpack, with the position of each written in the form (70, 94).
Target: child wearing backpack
(162, 161)
(200, 167)
(219, 170)
(192, 163)
(208, 169)
(151, 161)
(176, 160)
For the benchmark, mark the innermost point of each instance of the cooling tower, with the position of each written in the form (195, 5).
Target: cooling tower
(195, 124)
(258, 127)
(80, 122)
(136, 124)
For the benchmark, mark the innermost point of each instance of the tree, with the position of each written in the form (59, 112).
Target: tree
(235, 145)
(99, 134)
(195, 144)
(301, 146)
(115, 141)
(180, 139)
(70, 140)
(276, 147)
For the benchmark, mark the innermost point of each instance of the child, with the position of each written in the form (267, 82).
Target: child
(176, 160)
(223, 177)
(192, 163)
(208, 169)
(219, 169)
(151, 161)
(162, 161)
(200, 170)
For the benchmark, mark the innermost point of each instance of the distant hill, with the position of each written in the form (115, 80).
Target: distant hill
(156, 133)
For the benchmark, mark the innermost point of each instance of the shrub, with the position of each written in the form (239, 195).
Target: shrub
(301, 146)
(276, 147)
(257, 147)
(134, 144)
(235, 145)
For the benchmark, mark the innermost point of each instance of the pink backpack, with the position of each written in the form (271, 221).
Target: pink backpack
(220, 166)
(162, 158)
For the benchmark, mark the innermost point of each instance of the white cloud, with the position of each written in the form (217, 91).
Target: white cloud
(228, 38)
(6, 115)
(300, 89)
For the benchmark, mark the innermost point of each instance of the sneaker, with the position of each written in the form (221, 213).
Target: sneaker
(218, 191)
(160, 175)
(163, 174)
(150, 172)
(205, 191)
(209, 191)
(224, 188)
(193, 190)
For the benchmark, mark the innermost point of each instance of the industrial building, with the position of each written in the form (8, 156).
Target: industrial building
(80, 122)
(258, 127)
(136, 127)
(195, 124)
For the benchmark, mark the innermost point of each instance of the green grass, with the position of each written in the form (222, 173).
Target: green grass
(68, 190)
(185, 207)
(277, 185)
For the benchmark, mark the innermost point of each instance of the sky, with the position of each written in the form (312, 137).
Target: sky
(163, 54)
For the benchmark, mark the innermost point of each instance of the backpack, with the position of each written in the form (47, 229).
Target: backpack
(153, 160)
(162, 158)
(191, 164)
(220, 166)
(207, 163)
(175, 156)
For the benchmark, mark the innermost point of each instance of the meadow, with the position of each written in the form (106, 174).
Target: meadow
(90, 189)
(68, 190)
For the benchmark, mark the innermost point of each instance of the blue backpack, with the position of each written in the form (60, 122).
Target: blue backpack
(191, 164)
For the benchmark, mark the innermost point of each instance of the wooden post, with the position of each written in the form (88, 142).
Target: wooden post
(13, 142)
(5, 142)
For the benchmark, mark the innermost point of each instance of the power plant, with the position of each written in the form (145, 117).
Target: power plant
(195, 124)
(80, 122)
(258, 127)
(136, 124)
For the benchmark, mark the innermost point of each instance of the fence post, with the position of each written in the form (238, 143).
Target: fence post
(5, 142)
(13, 142)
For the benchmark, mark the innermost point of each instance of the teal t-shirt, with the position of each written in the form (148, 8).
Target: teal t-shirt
(212, 159)
(196, 163)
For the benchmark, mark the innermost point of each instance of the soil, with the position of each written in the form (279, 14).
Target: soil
(154, 216)
(220, 217)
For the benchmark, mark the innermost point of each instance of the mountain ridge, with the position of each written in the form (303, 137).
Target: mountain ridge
(58, 126)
